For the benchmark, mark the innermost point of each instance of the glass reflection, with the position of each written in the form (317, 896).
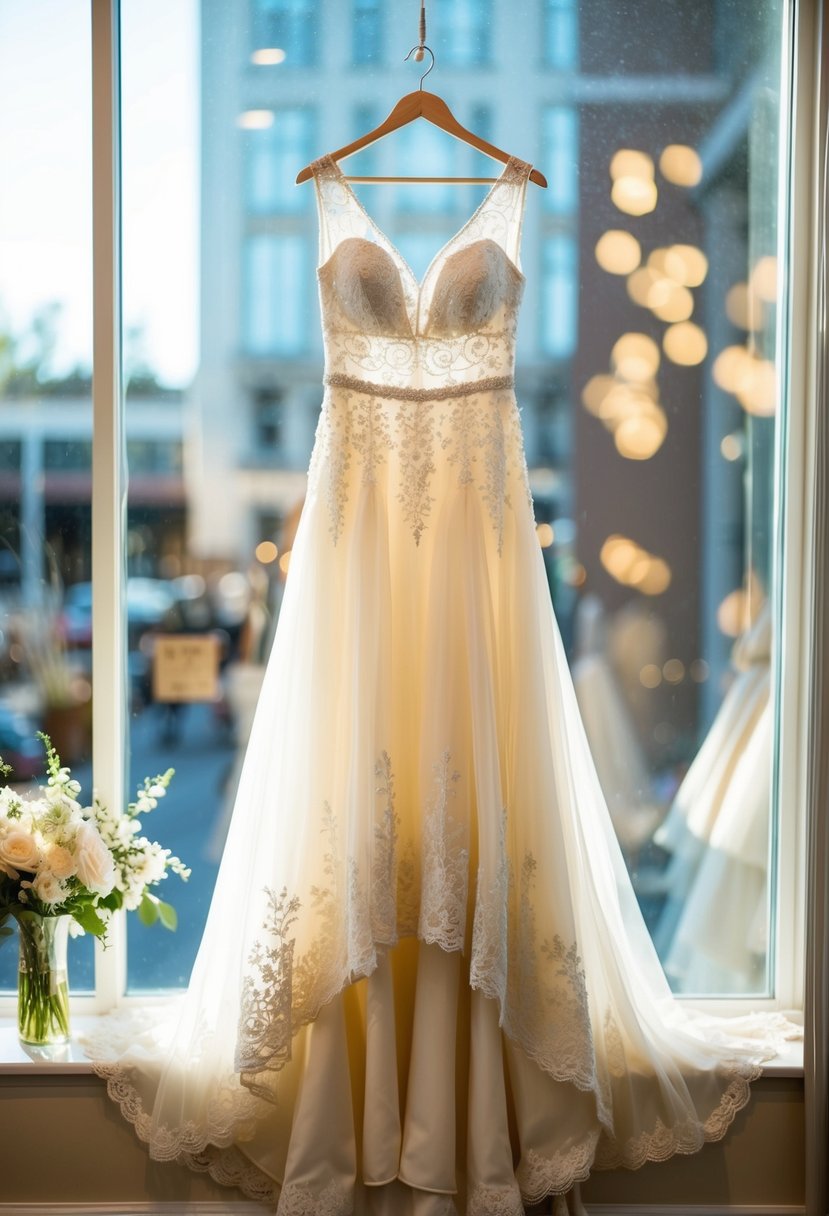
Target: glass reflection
(648, 380)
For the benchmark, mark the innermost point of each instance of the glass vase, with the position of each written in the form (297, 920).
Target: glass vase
(42, 982)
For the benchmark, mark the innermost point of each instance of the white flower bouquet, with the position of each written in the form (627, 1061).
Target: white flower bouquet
(59, 859)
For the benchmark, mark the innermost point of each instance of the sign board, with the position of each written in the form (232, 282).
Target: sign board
(186, 667)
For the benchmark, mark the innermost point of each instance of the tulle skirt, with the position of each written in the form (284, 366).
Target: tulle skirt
(424, 982)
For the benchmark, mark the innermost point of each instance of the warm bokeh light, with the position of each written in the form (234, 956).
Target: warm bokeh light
(650, 676)
(623, 401)
(732, 368)
(595, 391)
(634, 195)
(763, 278)
(681, 165)
(629, 162)
(674, 671)
(667, 264)
(255, 120)
(285, 561)
(731, 447)
(640, 283)
(699, 670)
(266, 552)
(618, 252)
(694, 265)
(635, 356)
(265, 56)
(658, 578)
(743, 308)
(685, 344)
(641, 435)
(545, 534)
(633, 566)
(733, 615)
(758, 395)
(670, 302)
(617, 555)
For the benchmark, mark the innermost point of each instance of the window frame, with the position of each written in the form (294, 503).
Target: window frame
(802, 515)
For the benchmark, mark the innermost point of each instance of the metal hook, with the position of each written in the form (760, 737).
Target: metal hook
(417, 51)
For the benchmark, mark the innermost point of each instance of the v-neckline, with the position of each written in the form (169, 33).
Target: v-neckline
(414, 282)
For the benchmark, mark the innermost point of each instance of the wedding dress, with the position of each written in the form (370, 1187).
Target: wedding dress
(713, 932)
(424, 985)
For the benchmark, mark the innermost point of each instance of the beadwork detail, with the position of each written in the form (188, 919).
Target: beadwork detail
(404, 393)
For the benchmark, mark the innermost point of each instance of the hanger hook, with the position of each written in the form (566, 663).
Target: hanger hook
(417, 51)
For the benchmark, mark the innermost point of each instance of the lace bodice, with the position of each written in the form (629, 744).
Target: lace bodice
(455, 326)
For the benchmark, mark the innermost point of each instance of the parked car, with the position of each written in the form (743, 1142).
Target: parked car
(148, 599)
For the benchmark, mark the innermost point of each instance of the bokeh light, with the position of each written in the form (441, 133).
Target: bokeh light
(634, 195)
(635, 356)
(681, 165)
(685, 344)
(630, 162)
(618, 252)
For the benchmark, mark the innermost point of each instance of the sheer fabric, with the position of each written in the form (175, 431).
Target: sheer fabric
(424, 985)
(713, 931)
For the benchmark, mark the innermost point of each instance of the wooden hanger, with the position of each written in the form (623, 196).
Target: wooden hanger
(434, 109)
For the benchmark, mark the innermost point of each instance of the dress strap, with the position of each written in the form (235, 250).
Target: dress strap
(500, 215)
(514, 188)
(341, 214)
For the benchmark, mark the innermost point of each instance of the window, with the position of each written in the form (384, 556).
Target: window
(560, 297)
(651, 371)
(561, 159)
(463, 33)
(561, 30)
(274, 156)
(267, 418)
(287, 25)
(424, 146)
(368, 32)
(46, 643)
(275, 295)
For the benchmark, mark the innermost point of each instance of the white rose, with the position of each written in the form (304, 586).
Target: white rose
(60, 861)
(93, 859)
(20, 850)
(48, 888)
(8, 870)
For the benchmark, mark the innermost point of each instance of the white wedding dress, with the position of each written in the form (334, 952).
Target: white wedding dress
(424, 985)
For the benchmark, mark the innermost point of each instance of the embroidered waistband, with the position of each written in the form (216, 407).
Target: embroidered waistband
(401, 393)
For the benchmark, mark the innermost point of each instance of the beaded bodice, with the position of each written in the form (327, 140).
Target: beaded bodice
(454, 327)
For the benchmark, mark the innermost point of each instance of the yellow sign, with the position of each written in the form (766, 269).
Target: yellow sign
(186, 667)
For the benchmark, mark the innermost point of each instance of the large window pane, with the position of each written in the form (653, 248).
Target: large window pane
(273, 152)
(290, 26)
(647, 378)
(45, 402)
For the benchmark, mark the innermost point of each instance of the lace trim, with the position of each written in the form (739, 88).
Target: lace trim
(494, 1201)
(684, 1138)
(295, 1200)
(445, 866)
(539, 1176)
(402, 393)
(477, 434)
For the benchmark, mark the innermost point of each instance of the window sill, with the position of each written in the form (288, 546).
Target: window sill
(16, 1060)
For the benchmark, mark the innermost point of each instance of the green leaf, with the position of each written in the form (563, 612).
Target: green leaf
(90, 921)
(168, 916)
(113, 901)
(148, 910)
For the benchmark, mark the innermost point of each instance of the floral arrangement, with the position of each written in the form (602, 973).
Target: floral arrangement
(58, 857)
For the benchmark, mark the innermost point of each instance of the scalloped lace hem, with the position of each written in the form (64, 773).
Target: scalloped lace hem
(214, 1150)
